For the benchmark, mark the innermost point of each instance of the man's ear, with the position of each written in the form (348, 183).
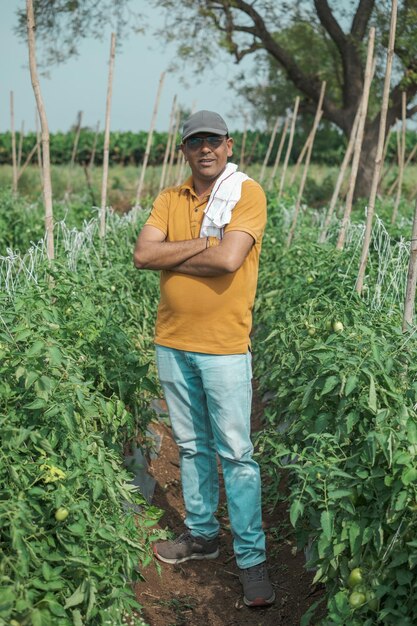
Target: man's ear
(182, 148)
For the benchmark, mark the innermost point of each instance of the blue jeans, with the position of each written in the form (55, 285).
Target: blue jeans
(209, 401)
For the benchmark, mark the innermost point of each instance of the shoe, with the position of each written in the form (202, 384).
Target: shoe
(257, 590)
(185, 548)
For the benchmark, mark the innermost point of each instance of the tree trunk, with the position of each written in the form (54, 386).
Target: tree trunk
(367, 161)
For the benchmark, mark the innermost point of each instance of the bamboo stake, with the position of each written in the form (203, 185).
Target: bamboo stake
(346, 160)
(279, 152)
(182, 157)
(409, 158)
(359, 140)
(14, 162)
(289, 146)
(149, 142)
(39, 144)
(317, 118)
(252, 149)
(269, 149)
(20, 149)
(243, 146)
(180, 167)
(27, 161)
(300, 158)
(93, 150)
(107, 138)
(173, 145)
(74, 152)
(401, 157)
(169, 139)
(410, 295)
(379, 151)
(47, 187)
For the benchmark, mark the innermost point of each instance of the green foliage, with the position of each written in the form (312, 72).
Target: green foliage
(342, 420)
(75, 383)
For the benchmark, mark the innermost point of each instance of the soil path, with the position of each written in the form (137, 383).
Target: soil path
(208, 593)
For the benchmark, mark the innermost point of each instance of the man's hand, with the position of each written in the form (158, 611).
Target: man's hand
(152, 252)
(191, 256)
(225, 258)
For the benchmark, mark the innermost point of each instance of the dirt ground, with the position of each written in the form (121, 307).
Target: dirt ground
(209, 593)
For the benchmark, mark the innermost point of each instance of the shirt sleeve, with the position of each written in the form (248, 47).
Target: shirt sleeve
(159, 214)
(249, 214)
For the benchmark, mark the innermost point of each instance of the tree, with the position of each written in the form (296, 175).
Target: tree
(244, 28)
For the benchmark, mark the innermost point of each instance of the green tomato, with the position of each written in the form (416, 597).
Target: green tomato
(338, 327)
(372, 600)
(355, 577)
(61, 514)
(310, 279)
(14, 622)
(311, 331)
(357, 599)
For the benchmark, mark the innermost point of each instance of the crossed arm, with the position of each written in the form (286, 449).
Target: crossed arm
(191, 256)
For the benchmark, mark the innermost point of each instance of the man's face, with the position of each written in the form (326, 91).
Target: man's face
(207, 157)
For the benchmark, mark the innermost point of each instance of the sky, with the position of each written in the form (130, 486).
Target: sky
(81, 83)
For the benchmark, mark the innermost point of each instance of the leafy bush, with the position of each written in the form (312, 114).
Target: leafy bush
(342, 419)
(75, 385)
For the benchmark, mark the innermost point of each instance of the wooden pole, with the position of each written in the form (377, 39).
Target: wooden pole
(252, 149)
(169, 139)
(301, 157)
(14, 161)
(317, 118)
(47, 187)
(359, 140)
(149, 141)
(243, 146)
(20, 149)
(107, 138)
(93, 150)
(409, 158)
(379, 151)
(401, 157)
(27, 161)
(74, 151)
(336, 191)
(39, 144)
(173, 145)
(410, 294)
(279, 152)
(269, 149)
(289, 146)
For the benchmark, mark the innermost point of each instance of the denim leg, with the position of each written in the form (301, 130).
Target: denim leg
(187, 406)
(228, 387)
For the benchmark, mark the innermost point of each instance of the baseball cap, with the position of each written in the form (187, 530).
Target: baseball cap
(204, 122)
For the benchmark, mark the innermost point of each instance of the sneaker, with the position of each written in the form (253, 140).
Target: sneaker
(185, 548)
(257, 590)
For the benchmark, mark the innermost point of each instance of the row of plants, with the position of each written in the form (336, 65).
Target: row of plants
(128, 148)
(341, 422)
(76, 380)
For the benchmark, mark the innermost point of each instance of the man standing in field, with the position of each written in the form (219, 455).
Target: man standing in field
(205, 237)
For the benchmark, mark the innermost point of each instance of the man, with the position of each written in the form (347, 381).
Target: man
(209, 271)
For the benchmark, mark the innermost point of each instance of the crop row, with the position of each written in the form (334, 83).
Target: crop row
(128, 148)
(340, 379)
(75, 386)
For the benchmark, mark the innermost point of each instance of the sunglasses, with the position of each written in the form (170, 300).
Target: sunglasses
(213, 141)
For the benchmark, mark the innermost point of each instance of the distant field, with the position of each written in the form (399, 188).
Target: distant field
(123, 182)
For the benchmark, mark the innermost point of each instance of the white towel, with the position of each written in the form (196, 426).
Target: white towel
(223, 198)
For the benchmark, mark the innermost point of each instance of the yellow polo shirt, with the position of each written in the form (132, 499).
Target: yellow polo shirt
(199, 314)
